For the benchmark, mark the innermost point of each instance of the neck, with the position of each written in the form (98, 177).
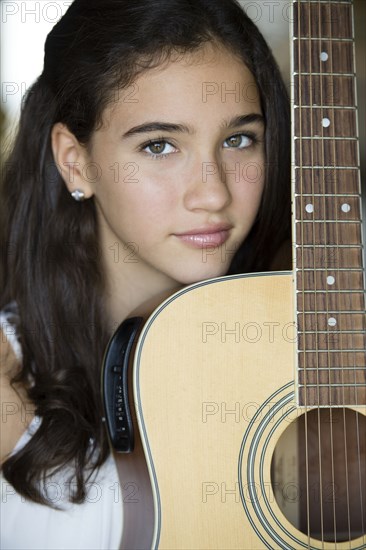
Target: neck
(119, 307)
(131, 293)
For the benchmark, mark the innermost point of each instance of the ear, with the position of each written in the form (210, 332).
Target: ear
(70, 157)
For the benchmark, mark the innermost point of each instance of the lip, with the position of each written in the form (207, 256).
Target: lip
(213, 235)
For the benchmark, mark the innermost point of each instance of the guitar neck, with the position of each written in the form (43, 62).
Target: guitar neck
(327, 231)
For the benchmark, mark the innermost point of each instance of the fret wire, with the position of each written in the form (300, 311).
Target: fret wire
(330, 311)
(316, 246)
(318, 167)
(330, 292)
(327, 38)
(321, 269)
(321, 1)
(334, 385)
(358, 331)
(330, 405)
(349, 311)
(326, 138)
(323, 352)
(314, 369)
(350, 195)
(355, 222)
(314, 107)
(317, 352)
(323, 74)
(308, 369)
(337, 333)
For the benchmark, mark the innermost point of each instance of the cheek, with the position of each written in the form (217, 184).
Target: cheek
(157, 194)
(248, 192)
(253, 174)
(140, 208)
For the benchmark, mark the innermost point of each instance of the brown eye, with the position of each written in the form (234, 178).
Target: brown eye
(240, 141)
(157, 147)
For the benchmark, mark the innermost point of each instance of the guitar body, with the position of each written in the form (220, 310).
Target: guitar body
(211, 416)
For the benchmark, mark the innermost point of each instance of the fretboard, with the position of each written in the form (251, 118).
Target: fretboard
(330, 284)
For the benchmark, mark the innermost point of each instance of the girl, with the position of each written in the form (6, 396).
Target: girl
(152, 152)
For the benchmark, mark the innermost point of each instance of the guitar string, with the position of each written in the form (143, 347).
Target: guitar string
(340, 297)
(352, 308)
(358, 438)
(363, 396)
(327, 238)
(299, 175)
(315, 336)
(348, 276)
(353, 347)
(303, 264)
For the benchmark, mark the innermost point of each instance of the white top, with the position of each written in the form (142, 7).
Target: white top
(95, 524)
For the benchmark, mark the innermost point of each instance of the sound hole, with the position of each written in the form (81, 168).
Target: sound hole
(318, 474)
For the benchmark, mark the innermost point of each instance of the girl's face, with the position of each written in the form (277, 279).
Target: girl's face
(179, 170)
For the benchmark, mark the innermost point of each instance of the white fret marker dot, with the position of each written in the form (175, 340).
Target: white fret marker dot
(332, 322)
(323, 56)
(309, 208)
(325, 122)
(330, 280)
(345, 208)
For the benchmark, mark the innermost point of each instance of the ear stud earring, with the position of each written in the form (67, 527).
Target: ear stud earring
(78, 195)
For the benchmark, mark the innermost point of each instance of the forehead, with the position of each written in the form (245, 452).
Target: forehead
(198, 84)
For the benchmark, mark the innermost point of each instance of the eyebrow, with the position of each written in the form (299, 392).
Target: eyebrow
(234, 122)
(241, 120)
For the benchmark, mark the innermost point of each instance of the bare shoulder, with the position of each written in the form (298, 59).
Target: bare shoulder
(15, 414)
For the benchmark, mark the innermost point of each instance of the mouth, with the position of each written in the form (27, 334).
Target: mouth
(206, 236)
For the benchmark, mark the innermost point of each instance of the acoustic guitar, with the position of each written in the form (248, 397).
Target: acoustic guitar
(242, 424)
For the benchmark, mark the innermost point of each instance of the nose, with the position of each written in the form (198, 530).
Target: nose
(209, 190)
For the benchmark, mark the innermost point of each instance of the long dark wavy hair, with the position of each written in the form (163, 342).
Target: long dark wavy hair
(51, 264)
